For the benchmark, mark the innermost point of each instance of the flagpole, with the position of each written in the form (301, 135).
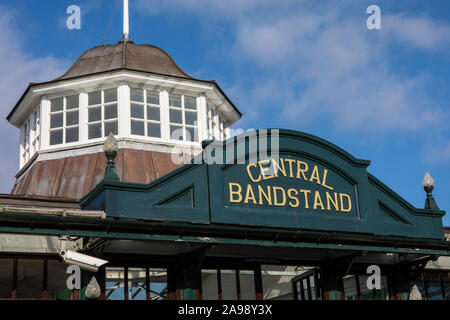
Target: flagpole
(126, 22)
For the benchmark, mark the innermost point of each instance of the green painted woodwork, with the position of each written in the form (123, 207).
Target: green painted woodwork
(200, 193)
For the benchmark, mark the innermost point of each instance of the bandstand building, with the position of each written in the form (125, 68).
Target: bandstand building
(181, 209)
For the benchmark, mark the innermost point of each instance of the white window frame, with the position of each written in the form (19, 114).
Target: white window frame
(183, 110)
(64, 112)
(102, 106)
(145, 105)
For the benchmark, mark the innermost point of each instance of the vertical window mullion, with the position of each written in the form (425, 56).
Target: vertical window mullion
(183, 116)
(64, 124)
(102, 110)
(144, 92)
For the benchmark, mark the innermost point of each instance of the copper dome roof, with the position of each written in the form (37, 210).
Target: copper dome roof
(124, 55)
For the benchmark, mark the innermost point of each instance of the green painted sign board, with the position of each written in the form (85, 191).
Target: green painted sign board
(271, 178)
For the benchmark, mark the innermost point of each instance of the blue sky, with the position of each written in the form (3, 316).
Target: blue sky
(308, 65)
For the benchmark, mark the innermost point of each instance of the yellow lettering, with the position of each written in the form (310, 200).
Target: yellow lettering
(315, 175)
(349, 201)
(334, 203)
(305, 193)
(238, 192)
(275, 198)
(318, 201)
(302, 171)
(291, 172)
(293, 197)
(264, 169)
(277, 167)
(324, 180)
(249, 195)
(267, 195)
(250, 174)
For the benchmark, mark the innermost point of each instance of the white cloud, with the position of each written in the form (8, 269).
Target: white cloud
(420, 32)
(435, 153)
(323, 63)
(18, 68)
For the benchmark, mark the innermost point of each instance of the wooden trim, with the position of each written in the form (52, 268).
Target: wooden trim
(125, 283)
(257, 274)
(219, 285)
(358, 287)
(238, 284)
(14, 288)
(147, 284)
(44, 279)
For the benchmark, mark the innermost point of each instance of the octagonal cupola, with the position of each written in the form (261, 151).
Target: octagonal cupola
(135, 91)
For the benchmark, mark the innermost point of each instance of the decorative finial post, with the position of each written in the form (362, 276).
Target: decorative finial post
(110, 147)
(126, 21)
(428, 186)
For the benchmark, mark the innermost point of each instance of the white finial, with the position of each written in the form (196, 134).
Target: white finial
(428, 181)
(126, 22)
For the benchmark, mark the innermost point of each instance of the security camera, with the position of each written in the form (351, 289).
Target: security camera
(82, 260)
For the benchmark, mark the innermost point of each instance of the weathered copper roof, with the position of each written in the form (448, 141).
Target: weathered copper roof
(124, 55)
(73, 177)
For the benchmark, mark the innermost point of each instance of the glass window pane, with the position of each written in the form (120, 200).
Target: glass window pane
(137, 95)
(94, 98)
(56, 120)
(71, 134)
(305, 288)
(176, 133)
(191, 134)
(57, 280)
(111, 127)
(136, 284)
(446, 280)
(114, 283)
(95, 114)
(6, 278)
(158, 284)
(190, 102)
(152, 97)
(137, 127)
(111, 111)
(247, 282)
(366, 293)
(383, 293)
(209, 284)
(312, 284)
(191, 118)
(350, 289)
(175, 100)
(176, 116)
(56, 137)
(229, 289)
(30, 273)
(56, 104)
(72, 118)
(153, 130)
(110, 95)
(153, 113)
(137, 111)
(95, 131)
(277, 281)
(72, 102)
(434, 286)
